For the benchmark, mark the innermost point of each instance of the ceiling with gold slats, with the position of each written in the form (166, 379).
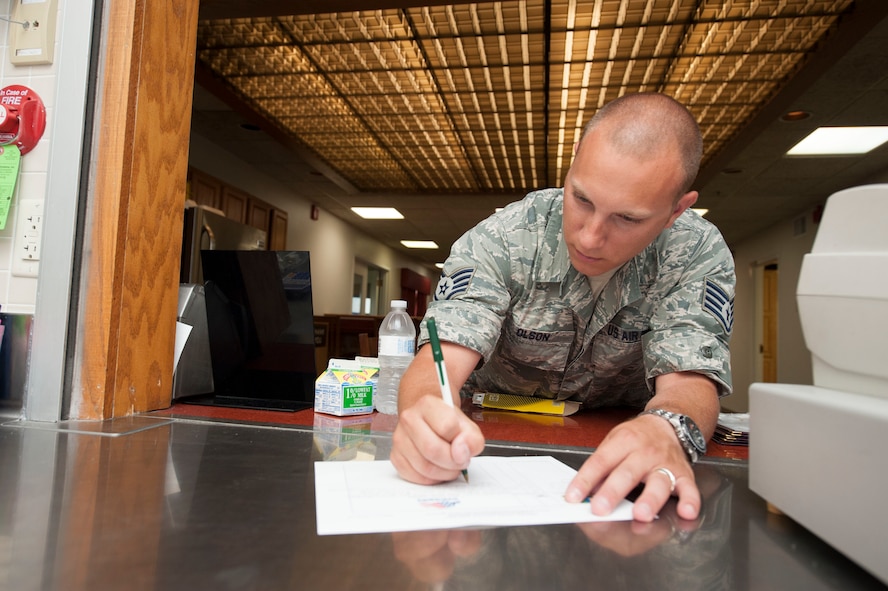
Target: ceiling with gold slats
(491, 97)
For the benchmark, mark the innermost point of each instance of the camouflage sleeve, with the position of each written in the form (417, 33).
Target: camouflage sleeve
(473, 292)
(691, 323)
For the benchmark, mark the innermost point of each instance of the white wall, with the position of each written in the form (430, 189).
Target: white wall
(334, 245)
(18, 292)
(777, 244)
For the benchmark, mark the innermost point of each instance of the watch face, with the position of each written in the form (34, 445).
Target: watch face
(696, 436)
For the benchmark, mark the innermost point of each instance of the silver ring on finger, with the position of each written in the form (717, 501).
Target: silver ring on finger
(668, 473)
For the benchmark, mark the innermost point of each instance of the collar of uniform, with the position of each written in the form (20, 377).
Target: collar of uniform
(555, 267)
(628, 277)
(553, 263)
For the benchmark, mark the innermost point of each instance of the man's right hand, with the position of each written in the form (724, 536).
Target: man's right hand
(431, 555)
(434, 442)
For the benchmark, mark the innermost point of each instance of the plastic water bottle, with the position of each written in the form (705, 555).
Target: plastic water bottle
(397, 345)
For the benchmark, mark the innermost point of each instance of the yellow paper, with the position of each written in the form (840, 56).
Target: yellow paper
(525, 404)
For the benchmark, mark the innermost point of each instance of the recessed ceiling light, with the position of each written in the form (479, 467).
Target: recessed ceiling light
(795, 116)
(700, 210)
(835, 141)
(378, 213)
(420, 244)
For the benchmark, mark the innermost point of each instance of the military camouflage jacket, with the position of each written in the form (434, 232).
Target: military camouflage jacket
(509, 292)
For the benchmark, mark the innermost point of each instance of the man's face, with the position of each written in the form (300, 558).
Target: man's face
(616, 205)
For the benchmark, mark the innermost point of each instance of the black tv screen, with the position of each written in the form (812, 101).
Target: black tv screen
(260, 328)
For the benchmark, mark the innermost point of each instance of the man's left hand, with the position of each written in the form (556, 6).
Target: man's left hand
(634, 452)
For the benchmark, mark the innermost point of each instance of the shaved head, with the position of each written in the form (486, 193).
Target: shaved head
(646, 124)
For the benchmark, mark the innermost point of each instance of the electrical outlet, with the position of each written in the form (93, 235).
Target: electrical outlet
(28, 238)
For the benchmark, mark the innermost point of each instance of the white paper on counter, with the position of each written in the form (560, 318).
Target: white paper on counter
(370, 497)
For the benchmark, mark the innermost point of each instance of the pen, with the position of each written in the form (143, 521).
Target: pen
(443, 382)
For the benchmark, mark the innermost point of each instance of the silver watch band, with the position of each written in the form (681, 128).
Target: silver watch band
(681, 432)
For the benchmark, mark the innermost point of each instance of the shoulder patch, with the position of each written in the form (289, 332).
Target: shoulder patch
(454, 284)
(717, 302)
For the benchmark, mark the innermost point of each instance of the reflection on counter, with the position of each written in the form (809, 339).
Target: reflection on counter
(606, 555)
(212, 504)
(363, 437)
(340, 439)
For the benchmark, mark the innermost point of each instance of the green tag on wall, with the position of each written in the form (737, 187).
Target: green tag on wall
(10, 158)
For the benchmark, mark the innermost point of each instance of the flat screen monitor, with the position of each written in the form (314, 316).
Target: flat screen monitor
(260, 328)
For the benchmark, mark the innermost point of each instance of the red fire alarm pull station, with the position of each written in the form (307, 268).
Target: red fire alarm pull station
(22, 117)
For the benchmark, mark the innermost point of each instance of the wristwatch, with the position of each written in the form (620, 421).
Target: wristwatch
(689, 435)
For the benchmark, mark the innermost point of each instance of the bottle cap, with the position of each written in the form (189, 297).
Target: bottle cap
(399, 303)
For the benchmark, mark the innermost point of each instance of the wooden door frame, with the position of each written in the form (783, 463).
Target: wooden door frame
(770, 320)
(128, 292)
(759, 270)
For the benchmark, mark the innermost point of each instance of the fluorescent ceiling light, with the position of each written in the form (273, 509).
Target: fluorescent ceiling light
(419, 244)
(378, 213)
(700, 210)
(840, 140)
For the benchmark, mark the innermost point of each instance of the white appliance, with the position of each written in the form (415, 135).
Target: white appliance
(817, 452)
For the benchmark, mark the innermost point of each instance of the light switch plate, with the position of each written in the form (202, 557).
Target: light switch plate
(32, 43)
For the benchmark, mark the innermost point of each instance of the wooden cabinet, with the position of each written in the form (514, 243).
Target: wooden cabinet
(258, 214)
(277, 230)
(266, 217)
(415, 290)
(206, 190)
(235, 204)
(240, 206)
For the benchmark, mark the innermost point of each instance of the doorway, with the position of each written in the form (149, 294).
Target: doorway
(368, 290)
(766, 276)
(375, 301)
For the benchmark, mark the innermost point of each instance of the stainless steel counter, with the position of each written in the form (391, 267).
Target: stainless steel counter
(168, 504)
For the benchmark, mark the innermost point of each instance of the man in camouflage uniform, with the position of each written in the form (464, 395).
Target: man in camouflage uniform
(607, 292)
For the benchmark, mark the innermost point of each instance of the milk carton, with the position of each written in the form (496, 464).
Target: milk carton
(344, 389)
(370, 366)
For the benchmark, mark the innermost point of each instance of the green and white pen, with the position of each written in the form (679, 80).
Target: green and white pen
(443, 382)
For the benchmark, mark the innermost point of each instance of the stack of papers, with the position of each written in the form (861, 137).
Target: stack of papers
(732, 429)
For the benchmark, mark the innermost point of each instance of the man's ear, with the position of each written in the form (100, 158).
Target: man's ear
(685, 201)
